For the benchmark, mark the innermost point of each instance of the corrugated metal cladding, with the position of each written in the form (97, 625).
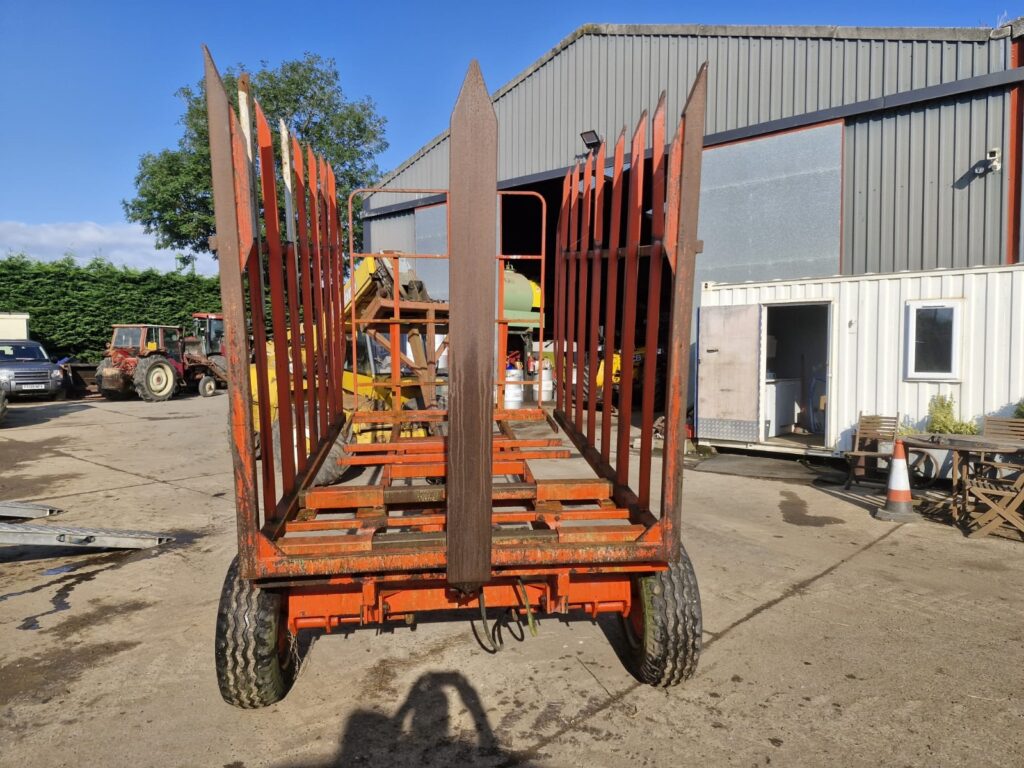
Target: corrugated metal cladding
(606, 76)
(867, 347)
(391, 233)
(911, 197)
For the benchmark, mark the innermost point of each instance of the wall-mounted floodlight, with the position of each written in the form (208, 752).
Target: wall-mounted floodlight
(992, 163)
(590, 139)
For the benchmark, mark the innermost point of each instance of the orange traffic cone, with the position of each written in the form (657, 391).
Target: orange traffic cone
(899, 503)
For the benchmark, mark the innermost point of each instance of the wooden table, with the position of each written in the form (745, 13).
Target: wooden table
(962, 447)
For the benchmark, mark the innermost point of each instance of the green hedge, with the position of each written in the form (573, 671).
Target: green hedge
(72, 306)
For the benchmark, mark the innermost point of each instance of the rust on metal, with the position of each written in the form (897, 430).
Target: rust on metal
(354, 553)
(686, 248)
(234, 245)
(653, 300)
(472, 211)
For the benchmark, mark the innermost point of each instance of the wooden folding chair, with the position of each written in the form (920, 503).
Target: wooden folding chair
(872, 433)
(998, 501)
(1011, 430)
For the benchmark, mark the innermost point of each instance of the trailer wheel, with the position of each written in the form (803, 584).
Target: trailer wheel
(255, 656)
(663, 629)
(155, 380)
(207, 386)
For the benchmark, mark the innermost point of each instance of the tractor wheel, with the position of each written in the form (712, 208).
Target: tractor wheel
(154, 379)
(254, 654)
(207, 386)
(663, 629)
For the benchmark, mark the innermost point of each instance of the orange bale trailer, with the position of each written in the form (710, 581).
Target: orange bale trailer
(445, 509)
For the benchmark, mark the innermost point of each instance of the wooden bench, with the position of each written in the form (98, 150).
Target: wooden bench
(872, 432)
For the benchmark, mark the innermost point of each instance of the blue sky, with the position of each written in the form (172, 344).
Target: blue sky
(89, 86)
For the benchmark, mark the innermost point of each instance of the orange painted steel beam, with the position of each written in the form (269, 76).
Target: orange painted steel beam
(598, 534)
(440, 469)
(351, 497)
(434, 458)
(326, 607)
(433, 444)
(573, 490)
(271, 565)
(552, 519)
(435, 414)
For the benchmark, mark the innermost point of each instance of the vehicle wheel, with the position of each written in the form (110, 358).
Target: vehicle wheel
(207, 386)
(220, 361)
(3, 404)
(330, 471)
(663, 629)
(110, 394)
(154, 379)
(255, 656)
(922, 469)
(599, 391)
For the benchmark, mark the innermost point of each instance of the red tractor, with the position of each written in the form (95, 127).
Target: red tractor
(157, 360)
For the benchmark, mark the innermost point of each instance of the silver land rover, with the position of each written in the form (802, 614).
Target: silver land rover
(25, 369)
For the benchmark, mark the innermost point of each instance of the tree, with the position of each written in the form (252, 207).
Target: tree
(174, 200)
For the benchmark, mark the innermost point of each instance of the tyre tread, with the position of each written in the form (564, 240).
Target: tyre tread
(250, 672)
(671, 645)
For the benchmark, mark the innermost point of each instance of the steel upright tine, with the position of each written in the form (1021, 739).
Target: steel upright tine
(599, 198)
(675, 168)
(686, 249)
(653, 302)
(231, 211)
(583, 259)
(472, 212)
(286, 175)
(612, 293)
(658, 170)
(245, 115)
(629, 296)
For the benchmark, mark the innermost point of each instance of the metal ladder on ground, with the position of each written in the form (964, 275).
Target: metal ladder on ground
(31, 534)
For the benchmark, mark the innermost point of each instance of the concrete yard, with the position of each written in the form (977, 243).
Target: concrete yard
(831, 638)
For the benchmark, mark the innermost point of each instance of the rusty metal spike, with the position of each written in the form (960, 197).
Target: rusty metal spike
(232, 250)
(687, 247)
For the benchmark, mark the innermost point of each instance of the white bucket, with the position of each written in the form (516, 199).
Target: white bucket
(547, 384)
(513, 392)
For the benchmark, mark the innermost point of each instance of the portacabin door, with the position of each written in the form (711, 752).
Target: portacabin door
(728, 373)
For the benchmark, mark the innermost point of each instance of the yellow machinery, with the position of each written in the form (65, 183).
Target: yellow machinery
(371, 289)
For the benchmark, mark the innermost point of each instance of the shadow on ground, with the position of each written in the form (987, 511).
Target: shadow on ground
(28, 413)
(422, 731)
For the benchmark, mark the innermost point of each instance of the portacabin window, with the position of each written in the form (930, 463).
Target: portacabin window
(933, 339)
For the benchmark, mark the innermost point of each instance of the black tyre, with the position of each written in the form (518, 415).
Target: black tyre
(3, 404)
(663, 629)
(155, 379)
(101, 377)
(254, 654)
(922, 468)
(220, 361)
(330, 471)
(207, 386)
